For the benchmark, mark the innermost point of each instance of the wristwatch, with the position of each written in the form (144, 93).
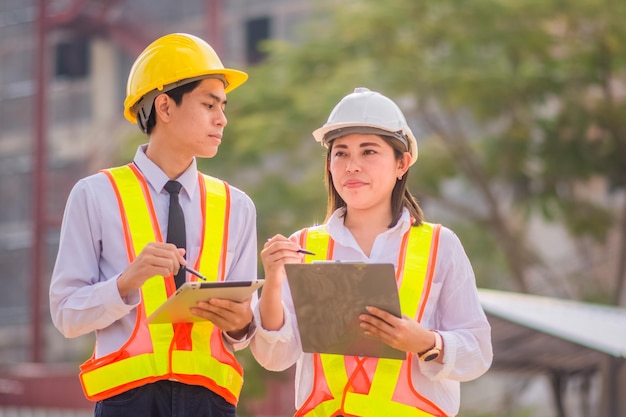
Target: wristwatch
(434, 352)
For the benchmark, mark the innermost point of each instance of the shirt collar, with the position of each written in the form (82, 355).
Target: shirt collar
(157, 178)
(340, 233)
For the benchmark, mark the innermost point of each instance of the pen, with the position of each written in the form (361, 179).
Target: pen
(308, 252)
(193, 271)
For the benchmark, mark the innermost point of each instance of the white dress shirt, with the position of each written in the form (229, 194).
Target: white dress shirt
(92, 253)
(453, 310)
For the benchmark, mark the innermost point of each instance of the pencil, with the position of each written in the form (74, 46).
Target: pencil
(308, 252)
(193, 271)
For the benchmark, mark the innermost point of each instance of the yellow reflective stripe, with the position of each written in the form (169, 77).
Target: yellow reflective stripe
(141, 229)
(123, 372)
(317, 242)
(386, 370)
(337, 383)
(186, 362)
(214, 219)
(189, 362)
(134, 203)
(325, 409)
(142, 232)
(415, 265)
(414, 277)
(201, 334)
(364, 405)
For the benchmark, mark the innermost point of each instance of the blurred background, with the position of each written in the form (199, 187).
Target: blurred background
(519, 107)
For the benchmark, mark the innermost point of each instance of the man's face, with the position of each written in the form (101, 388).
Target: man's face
(197, 123)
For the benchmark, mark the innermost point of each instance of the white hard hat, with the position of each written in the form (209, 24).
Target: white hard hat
(368, 112)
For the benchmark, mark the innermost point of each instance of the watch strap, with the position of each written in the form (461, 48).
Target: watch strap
(434, 352)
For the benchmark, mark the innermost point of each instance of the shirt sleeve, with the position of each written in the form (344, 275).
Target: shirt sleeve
(458, 317)
(280, 349)
(242, 254)
(277, 350)
(81, 301)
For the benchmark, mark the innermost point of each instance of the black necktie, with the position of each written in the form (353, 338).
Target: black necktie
(176, 225)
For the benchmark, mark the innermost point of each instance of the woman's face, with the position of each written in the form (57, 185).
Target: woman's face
(364, 170)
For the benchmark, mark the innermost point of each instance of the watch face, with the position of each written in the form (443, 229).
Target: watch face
(431, 355)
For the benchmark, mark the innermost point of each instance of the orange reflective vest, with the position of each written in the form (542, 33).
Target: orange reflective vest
(361, 386)
(191, 353)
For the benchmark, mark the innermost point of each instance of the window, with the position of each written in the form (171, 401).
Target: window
(72, 59)
(257, 31)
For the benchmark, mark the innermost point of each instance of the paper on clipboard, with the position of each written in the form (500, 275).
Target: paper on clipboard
(329, 297)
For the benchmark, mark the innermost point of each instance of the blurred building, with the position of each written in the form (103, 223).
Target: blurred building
(62, 87)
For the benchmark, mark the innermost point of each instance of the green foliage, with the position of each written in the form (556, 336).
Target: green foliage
(428, 174)
(481, 248)
(522, 100)
(519, 94)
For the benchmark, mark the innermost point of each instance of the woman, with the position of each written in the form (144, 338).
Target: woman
(372, 217)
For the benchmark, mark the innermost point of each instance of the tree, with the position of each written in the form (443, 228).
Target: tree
(516, 104)
(519, 102)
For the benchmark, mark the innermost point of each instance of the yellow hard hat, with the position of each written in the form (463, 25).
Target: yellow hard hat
(169, 62)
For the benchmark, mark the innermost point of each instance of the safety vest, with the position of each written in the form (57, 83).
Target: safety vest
(353, 386)
(191, 353)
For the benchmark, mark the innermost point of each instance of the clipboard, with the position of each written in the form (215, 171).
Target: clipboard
(328, 298)
(176, 308)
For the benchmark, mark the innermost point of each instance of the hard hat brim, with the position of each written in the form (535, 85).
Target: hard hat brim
(319, 134)
(235, 78)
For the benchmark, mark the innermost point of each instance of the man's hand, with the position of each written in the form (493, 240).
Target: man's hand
(156, 258)
(231, 317)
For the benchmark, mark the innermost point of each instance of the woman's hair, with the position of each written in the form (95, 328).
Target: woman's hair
(175, 94)
(400, 196)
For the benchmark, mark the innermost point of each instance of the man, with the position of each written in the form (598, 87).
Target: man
(124, 244)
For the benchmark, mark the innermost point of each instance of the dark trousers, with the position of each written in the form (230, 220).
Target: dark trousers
(165, 399)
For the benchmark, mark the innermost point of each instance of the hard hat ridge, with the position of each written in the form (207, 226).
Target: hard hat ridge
(367, 112)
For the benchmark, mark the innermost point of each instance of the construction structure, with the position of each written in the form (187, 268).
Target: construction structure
(63, 69)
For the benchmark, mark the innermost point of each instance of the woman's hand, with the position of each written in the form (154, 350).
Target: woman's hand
(403, 333)
(276, 252)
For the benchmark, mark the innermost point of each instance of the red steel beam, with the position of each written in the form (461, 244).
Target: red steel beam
(39, 179)
(133, 42)
(214, 29)
(67, 15)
